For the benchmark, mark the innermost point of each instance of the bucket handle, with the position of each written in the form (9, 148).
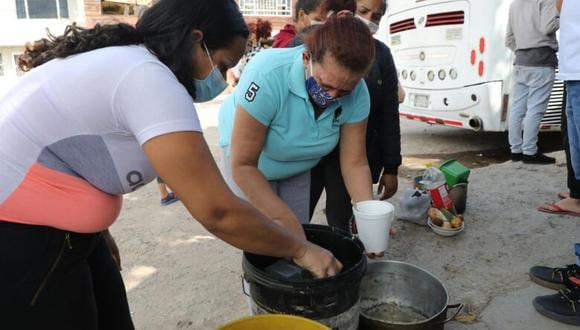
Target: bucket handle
(459, 308)
(244, 287)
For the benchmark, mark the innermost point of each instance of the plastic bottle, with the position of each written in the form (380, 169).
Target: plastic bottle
(434, 181)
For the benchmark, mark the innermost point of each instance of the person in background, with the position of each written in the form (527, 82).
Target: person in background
(564, 306)
(531, 35)
(310, 13)
(167, 197)
(102, 112)
(383, 133)
(289, 110)
(260, 33)
(286, 35)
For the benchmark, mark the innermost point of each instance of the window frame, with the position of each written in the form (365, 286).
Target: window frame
(58, 10)
(254, 8)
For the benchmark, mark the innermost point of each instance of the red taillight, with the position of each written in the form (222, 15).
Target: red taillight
(473, 57)
(404, 25)
(447, 18)
(481, 45)
(480, 69)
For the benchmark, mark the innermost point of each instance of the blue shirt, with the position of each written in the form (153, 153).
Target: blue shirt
(272, 90)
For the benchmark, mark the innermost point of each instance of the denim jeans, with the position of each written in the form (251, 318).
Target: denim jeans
(573, 114)
(530, 96)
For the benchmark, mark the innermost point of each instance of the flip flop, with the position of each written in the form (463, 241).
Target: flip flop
(563, 195)
(555, 209)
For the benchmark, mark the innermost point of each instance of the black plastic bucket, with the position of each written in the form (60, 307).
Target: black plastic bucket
(333, 301)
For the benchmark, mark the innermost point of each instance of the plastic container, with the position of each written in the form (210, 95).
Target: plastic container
(333, 301)
(458, 195)
(373, 220)
(274, 321)
(447, 232)
(434, 181)
(454, 172)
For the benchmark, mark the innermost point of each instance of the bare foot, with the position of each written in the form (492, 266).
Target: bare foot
(563, 195)
(569, 204)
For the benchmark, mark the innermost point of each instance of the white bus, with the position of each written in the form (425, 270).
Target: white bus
(453, 64)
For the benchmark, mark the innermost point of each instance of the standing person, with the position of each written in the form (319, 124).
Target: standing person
(569, 203)
(167, 197)
(531, 35)
(564, 306)
(77, 132)
(383, 134)
(285, 36)
(290, 109)
(310, 13)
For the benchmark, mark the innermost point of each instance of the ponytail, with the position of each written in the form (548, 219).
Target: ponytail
(76, 40)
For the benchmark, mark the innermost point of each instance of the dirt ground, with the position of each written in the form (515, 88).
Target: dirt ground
(179, 276)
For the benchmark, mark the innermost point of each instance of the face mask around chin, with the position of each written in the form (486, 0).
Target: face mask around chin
(373, 27)
(211, 86)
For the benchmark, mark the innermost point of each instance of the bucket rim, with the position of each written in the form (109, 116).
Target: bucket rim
(430, 319)
(354, 274)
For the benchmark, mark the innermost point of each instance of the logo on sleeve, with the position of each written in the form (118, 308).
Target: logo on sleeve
(251, 92)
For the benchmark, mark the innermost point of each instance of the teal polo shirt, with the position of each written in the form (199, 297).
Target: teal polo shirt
(272, 89)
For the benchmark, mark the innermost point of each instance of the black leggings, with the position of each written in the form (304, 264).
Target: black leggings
(52, 279)
(327, 175)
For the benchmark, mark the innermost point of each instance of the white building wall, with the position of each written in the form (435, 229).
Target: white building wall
(15, 32)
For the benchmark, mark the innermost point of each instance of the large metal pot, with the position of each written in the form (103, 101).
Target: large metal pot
(398, 295)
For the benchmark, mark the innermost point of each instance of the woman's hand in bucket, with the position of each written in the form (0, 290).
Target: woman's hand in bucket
(318, 261)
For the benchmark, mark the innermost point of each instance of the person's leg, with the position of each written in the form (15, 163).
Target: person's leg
(541, 81)
(162, 187)
(570, 201)
(338, 204)
(573, 113)
(517, 113)
(109, 290)
(167, 197)
(45, 280)
(295, 192)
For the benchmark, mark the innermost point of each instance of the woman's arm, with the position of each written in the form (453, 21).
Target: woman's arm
(247, 143)
(353, 161)
(185, 163)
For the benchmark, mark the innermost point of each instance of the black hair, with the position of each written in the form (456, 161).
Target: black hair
(165, 29)
(307, 6)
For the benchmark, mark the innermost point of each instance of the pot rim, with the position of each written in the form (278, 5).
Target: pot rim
(369, 266)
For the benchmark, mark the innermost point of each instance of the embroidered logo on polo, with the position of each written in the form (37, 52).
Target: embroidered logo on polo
(251, 92)
(337, 113)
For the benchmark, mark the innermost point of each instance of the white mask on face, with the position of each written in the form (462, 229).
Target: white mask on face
(373, 27)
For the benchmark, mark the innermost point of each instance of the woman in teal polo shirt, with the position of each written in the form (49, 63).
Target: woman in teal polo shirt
(291, 107)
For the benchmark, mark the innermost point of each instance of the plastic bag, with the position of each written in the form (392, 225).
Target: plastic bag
(413, 206)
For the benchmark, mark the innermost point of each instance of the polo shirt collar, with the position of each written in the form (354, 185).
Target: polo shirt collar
(297, 77)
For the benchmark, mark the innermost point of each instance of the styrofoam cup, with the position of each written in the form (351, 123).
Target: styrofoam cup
(373, 221)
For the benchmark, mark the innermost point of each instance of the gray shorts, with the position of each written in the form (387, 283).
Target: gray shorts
(294, 191)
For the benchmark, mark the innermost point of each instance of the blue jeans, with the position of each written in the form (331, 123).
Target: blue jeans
(573, 113)
(530, 96)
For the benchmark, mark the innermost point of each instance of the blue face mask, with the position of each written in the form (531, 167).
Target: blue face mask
(210, 87)
(318, 94)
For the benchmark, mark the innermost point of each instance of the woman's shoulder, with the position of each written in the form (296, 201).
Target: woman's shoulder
(273, 59)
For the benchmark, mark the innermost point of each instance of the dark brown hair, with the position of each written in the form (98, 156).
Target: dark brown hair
(347, 39)
(165, 29)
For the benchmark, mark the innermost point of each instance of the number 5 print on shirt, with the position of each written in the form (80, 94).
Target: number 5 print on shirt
(251, 92)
